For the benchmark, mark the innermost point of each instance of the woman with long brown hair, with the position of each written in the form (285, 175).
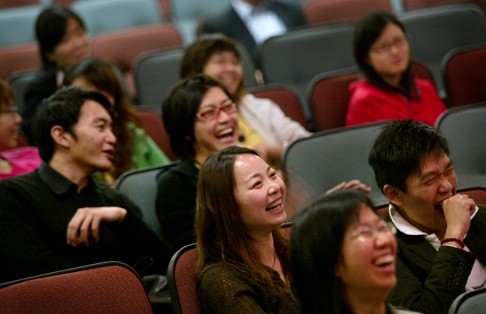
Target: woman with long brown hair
(242, 254)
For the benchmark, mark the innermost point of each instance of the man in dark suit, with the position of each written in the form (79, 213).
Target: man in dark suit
(441, 233)
(251, 22)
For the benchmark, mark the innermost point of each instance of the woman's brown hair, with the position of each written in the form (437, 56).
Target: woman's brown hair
(220, 232)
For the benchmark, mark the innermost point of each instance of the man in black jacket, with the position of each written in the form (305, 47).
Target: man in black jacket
(441, 233)
(251, 22)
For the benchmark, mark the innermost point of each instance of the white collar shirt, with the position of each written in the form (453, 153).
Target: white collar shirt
(260, 22)
(477, 277)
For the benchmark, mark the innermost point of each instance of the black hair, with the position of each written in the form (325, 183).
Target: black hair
(50, 28)
(366, 33)
(179, 111)
(400, 148)
(316, 246)
(63, 108)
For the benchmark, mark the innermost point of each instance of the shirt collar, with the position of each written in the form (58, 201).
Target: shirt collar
(58, 183)
(245, 10)
(404, 226)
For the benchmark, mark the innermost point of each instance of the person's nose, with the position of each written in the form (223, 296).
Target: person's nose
(111, 138)
(383, 239)
(445, 185)
(272, 188)
(223, 116)
(18, 118)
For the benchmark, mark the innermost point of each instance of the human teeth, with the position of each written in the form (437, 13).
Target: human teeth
(273, 205)
(384, 260)
(225, 132)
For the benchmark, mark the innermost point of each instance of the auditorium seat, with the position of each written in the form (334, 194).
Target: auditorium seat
(421, 4)
(434, 31)
(294, 58)
(110, 15)
(464, 71)
(318, 12)
(15, 58)
(17, 24)
(186, 14)
(122, 47)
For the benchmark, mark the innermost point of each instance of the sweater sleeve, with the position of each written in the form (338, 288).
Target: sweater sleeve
(175, 206)
(221, 291)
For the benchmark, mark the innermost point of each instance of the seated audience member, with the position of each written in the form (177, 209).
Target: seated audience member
(63, 41)
(201, 117)
(342, 256)
(251, 22)
(56, 217)
(389, 90)
(134, 148)
(263, 125)
(441, 247)
(242, 254)
(14, 160)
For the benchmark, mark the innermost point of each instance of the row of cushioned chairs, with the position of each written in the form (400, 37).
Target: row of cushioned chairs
(432, 33)
(103, 287)
(326, 98)
(188, 15)
(328, 47)
(327, 93)
(142, 55)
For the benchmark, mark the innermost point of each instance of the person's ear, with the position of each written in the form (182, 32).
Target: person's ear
(60, 136)
(393, 194)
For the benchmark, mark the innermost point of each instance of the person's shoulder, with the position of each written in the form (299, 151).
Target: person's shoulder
(44, 82)
(425, 85)
(214, 273)
(361, 88)
(251, 101)
(285, 5)
(183, 169)
(26, 182)
(216, 21)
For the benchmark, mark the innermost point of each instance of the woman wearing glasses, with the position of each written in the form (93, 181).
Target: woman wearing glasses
(389, 89)
(200, 117)
(14, 160)
(343, 256)
(263, 125)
